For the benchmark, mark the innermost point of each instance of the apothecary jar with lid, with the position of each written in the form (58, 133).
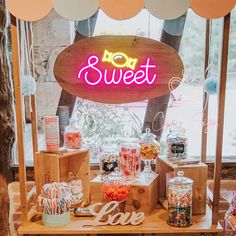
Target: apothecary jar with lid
(130, 159)
(180, 193)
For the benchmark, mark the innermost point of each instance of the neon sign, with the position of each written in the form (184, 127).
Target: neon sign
(125, 70)
(116, 58)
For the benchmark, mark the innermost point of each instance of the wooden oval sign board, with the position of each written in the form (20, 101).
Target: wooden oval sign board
(117, 69)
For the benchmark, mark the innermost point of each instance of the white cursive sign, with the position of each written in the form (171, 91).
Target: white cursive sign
(119, 218)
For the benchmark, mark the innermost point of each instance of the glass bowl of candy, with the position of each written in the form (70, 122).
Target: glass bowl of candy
(72, 136)
(130, 159)
(115, 187)
(150, 150)
(180, 192)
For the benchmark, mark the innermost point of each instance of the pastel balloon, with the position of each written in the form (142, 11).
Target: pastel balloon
(212, 8)
(121, 9)
(167, 9)
(29, 10)
(76, 10)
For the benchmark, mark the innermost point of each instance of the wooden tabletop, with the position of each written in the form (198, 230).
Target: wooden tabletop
(155, 223)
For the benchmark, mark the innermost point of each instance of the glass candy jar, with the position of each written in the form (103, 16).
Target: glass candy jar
(176, 143)
(72, 136)
(150, 150)
(109, 159)
(115, 187)
(180, 191)
(130, 159)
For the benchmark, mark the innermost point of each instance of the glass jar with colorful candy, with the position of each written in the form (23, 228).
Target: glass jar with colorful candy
(72, 136)
(109, 159)
(180, 191)
(176, 143)
(150, 150)
(115, 187)
(130, 159)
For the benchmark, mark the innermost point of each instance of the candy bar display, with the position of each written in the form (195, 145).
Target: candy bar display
(180, 191)
(150, 150)
(55, 199)
(109, 159)
(176, 143)
(115, 188)
(72, 136)
(130, 159)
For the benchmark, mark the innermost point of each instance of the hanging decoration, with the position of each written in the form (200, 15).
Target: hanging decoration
(78, 10)
(117, 69)
(211, 86)
(28, 85)
(28, 82)
(167, 9)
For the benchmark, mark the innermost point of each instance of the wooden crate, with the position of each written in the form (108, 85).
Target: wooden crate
(143, 197)
(55, 167)
(196, 172)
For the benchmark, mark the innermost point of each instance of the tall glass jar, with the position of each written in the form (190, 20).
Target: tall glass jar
(180, 192)
(130, 159)
(72, 136)
(109, 159)
(176, 143)
(150, 150)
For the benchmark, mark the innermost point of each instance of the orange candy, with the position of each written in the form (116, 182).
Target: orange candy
(115, 192)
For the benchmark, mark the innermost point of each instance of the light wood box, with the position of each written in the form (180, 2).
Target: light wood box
(143, 197)
(55, 167)
(196, 172)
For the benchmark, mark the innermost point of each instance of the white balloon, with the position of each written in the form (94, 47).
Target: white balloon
(76, 10)
(167, 9)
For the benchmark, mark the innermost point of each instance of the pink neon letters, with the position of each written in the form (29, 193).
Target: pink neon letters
(93, 75)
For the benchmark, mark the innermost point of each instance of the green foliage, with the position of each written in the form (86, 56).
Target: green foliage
(100, 121)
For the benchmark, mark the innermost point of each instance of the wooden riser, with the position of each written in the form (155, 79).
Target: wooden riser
(196, 172)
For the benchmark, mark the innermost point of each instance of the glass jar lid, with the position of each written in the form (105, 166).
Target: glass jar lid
(116, 177)
(180, 179)
(109, 148)
(73, 126)
(148, 136)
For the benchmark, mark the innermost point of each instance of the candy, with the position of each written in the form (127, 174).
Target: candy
(108, 164)
(149, 152)
(55, 198)
(176, 144)
(73, 140)
(179, 206)
(115, 191)
(130, 163)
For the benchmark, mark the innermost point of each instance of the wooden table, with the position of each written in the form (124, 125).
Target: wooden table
(155, 223)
